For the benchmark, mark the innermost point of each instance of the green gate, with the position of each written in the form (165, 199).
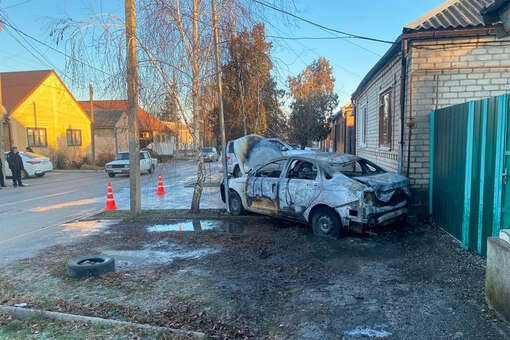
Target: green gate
(468, 151)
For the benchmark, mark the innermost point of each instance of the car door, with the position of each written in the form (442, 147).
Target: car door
(300, 186)
(263, 186)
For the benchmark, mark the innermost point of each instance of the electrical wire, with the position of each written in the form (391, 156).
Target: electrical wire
(322, 26)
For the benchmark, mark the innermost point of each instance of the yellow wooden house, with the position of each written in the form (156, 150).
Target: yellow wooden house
(42, 114)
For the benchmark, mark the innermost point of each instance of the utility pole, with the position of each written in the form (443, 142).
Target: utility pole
(92, 127)
(220, 101)
(132, 94)
(3, 114)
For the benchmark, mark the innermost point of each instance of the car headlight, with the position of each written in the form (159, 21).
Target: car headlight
(369, 197)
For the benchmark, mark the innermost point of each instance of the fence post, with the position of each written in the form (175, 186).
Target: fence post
(498, 166)
(485, 112)
(468, 175)
(431, 166)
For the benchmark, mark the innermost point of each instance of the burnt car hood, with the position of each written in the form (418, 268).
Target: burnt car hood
(253, 151)
(385, 185)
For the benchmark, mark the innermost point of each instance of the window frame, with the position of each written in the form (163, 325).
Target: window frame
(389, 132)
(35, 132)
(72, 142)
(363, 126)
(284, 166)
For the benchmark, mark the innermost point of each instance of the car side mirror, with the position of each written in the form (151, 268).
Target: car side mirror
(284, 148)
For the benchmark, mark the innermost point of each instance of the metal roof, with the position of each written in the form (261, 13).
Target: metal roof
(451, 15)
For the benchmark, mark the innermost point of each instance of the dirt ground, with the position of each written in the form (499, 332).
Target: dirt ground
(254, 277)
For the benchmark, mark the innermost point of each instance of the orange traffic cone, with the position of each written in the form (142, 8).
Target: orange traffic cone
(161, 188)
(110, 202)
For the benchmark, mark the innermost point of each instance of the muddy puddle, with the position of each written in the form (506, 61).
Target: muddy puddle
(155, 254)
(85, 228)
(220, 226)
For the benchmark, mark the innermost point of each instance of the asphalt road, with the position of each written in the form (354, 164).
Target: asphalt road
(37, 216)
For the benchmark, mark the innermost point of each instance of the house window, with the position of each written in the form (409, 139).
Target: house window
(385, 119)
(363, 126)
(73, 137)
(36, 137)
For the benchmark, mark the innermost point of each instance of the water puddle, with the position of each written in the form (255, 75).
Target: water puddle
(160, 253)
(368, 332)
(85, 228)
(220, 226)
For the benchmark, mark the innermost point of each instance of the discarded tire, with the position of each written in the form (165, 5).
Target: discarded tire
(87, 266)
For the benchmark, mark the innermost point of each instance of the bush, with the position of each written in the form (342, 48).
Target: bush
(104, 158)
(61, 161)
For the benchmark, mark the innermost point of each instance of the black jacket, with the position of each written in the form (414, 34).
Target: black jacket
(15, 162)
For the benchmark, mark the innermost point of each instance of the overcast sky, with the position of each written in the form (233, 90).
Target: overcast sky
(351, 58)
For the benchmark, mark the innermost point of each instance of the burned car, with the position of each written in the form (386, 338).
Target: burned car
(331, 191)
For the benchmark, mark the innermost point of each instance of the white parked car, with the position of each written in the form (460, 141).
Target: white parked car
(35, 165)
(121, 164)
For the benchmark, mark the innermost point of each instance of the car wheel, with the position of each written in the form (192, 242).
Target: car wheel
(40, 175)
(236, 205)
(87, 266)
(237, 172)
(111, 174)
(325, 222)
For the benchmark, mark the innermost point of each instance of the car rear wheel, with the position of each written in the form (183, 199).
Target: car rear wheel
(111, 174)
(236, 205)
(325, 222)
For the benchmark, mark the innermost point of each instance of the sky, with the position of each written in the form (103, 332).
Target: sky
(351, 58)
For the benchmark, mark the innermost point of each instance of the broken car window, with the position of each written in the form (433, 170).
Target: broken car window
(357, 168)
(272, 170)
(302, 170)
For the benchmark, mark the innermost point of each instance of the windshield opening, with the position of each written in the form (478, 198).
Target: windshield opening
(123, 156)
(357, 168)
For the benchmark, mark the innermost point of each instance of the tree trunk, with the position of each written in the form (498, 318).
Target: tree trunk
(197, 192)
(258, 106)
(241, 89)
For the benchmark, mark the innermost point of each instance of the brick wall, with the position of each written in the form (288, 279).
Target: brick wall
(431, 90)
(436, 89)
(388, 77)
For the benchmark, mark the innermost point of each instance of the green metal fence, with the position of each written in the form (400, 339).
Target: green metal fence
(467, 150)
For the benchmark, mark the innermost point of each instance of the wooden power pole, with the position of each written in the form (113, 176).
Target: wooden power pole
(132, 94)
(92, 121)
(3, 114)
(220, 102)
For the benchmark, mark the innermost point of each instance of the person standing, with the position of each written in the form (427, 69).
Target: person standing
(16, 165)
(2, 183)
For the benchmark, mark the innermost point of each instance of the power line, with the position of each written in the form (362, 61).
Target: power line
(307, 38)
(322, 26)
(53, 48)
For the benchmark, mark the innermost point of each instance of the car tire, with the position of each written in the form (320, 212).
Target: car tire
(88, 266)
(111, 174)
(325, 222)
(40, 175)
(237, 172)
(236, 204)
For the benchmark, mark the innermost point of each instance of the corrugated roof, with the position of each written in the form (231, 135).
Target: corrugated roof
(147, 121)
(451, 15)
(17, 86)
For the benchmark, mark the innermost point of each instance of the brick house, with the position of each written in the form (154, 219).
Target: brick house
(455, 53)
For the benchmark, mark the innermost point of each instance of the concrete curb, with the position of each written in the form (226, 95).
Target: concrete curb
(27, 313)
